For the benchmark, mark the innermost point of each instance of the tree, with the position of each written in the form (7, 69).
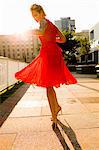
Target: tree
(69, 47)
(84, 46)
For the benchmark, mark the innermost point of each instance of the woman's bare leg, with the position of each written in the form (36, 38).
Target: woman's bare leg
(53, 103)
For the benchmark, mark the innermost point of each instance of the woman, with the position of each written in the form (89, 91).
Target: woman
(48, 68)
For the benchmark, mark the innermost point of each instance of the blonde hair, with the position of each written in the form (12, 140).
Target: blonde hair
(37, 8)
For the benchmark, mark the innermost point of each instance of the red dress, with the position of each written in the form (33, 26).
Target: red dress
(48, 68)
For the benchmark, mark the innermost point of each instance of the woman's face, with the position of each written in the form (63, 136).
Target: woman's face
(37, 16)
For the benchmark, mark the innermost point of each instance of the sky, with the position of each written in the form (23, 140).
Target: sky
(15, 15)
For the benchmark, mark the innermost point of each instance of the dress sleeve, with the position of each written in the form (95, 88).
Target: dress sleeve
(43, 25)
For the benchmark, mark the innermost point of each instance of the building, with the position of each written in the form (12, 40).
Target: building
(21, 47)
(94, 36)
(65, 24)
(94, 41)
(93, 56)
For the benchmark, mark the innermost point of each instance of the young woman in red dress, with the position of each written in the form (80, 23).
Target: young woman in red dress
(48, 68)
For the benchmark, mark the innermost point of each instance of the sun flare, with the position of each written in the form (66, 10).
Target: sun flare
(15, 15)
(17, 18)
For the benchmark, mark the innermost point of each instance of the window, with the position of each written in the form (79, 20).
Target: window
(83, 57)
(90, 56)
(92, 35)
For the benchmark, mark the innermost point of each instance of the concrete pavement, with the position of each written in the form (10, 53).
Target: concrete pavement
(28, 126)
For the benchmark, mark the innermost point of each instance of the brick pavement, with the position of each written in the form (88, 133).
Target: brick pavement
(28, 126)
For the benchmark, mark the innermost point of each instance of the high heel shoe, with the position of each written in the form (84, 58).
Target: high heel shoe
(57, 111)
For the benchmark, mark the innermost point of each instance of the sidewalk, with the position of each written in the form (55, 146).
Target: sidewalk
(28, 126)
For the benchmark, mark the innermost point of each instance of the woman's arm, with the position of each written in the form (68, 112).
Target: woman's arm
(60, 38)
(41, 30)
(36, 32)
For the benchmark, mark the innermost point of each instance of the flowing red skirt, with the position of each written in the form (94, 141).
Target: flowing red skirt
(47, 69)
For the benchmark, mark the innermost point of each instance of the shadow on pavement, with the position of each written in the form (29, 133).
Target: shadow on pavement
(7, 106)
(70, 134)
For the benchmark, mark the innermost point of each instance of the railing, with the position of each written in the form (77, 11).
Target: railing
(8, 68)
(86, 69)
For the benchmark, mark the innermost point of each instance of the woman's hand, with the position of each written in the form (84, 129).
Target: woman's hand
(36, 32)
(60, 38)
